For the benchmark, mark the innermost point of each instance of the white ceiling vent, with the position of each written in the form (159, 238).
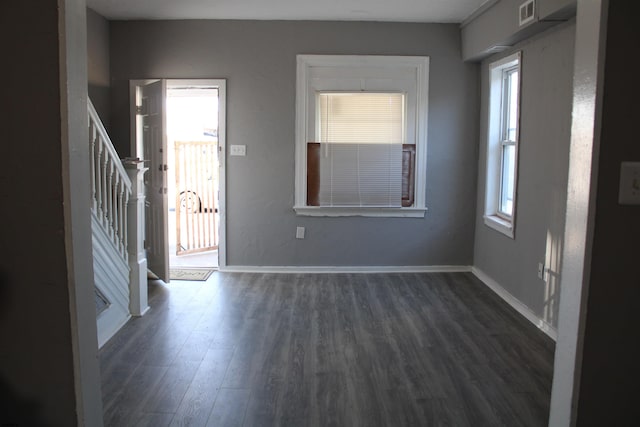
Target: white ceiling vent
(527, 12)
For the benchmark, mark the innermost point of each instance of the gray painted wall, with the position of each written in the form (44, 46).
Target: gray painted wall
(545, 119)
(48, 347)
(549, 9)
(259, 61)
(98, 64)
(499, 25)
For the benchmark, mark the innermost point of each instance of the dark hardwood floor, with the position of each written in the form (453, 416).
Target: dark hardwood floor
(327, 350)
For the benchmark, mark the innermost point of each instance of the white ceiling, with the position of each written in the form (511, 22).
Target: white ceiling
(316, 10)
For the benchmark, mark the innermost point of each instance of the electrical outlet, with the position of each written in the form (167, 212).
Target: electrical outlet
(629, 193)
(541, 271)
(238, 150)
(300, 233)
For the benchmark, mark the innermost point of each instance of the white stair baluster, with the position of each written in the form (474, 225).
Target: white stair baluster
(104, 175)
(125, 225)
(116, 208)
(92, 166)
(98, 174)
(110, 195)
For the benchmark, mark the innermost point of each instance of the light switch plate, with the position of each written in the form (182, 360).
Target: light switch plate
(629, 183)
(238, 150)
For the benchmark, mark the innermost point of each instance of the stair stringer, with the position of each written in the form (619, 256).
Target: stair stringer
(111, 277)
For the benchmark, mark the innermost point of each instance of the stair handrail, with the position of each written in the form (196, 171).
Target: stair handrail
(110, 148)
(110, 183)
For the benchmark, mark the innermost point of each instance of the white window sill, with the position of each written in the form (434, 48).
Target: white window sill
(360, 211)
(501, 225)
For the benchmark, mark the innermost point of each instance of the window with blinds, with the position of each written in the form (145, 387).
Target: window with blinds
(361, 118)
(360, 161)
(361, 127)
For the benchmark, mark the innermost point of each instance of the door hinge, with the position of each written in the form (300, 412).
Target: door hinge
(142, 109)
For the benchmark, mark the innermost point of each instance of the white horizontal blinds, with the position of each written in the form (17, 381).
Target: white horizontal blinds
(371, 118)
(361, 155)
(361, 175)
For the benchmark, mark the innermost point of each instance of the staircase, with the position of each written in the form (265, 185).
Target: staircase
(115, 203)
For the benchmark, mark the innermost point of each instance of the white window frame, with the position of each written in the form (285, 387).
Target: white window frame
(347, 73)
(496, 142)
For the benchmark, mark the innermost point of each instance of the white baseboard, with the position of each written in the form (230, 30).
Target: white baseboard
(344, 269)
(109, 324)
(516, 304)
(488, 281)
(145, 311)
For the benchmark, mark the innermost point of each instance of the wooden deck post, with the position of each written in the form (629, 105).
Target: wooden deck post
(138, 304)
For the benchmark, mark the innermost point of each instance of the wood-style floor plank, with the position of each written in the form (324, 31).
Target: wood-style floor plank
(199, 398)
(327, 350)
(168, 394)
(229, 408)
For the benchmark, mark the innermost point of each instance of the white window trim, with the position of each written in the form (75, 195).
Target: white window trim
(492, 217)
(335, 211)
(421, 67)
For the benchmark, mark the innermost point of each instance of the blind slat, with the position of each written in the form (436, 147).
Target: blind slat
(372, 118)
(361, 175)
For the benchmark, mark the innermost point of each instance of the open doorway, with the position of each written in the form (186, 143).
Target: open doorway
(178, 129)
(193, 184)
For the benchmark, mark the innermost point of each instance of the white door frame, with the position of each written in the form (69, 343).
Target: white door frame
(221, 85)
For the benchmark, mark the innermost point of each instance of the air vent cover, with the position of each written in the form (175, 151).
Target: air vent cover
(527, 12)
